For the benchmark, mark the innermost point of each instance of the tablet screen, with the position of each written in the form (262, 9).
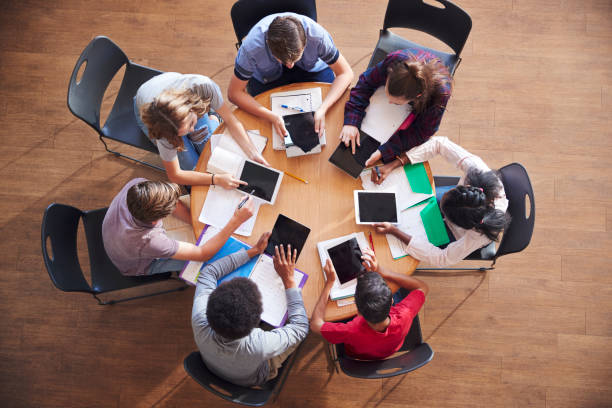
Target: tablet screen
(260, 178)
(301, 130)
(287, 231)
(353, 164)
(346, 258)
(377, 207)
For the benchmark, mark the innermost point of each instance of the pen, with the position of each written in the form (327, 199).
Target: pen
(296, 177)
(377, 171)
(296, 108)
(371, 242)
(243, 202)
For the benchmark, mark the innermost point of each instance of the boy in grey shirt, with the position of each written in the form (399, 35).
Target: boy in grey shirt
(225, 319)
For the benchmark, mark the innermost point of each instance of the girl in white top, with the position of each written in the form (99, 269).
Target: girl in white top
(173, 109)
(474, 210)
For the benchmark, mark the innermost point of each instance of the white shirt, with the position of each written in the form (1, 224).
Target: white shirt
(467, 241)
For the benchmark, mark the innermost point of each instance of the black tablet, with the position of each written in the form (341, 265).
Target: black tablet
(287, 231)
(353, 164)
(263, 181)
(375, 206)
(301, 130)
(346, 258)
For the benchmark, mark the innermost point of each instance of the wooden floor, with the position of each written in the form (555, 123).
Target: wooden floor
(534, 87)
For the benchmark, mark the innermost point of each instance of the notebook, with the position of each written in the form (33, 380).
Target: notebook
(347, 289)
(375, 206)
(353, 164)
(226, 141)
(382, 119)
(287, 231)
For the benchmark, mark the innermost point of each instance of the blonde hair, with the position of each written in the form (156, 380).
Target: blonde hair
(149, 201)
(164, 116)
(418, 80)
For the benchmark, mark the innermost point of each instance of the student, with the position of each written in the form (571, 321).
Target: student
(474, 211)
(174, 111)
(225, 319)
(410, 76)
(379, 328)
(134, 235)
(282, 49)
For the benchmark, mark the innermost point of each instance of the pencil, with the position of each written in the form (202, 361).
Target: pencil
(296, 177)
(371, 242)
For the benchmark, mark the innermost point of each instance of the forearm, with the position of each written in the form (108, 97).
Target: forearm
(182, 212)
(213, 245)
(189, 177)
(401, 235)
(340, 84)
(241, 137)
(247, 103)
(318, 313)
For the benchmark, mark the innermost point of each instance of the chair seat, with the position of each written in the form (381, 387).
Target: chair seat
(486, 253)
(123, 128)
(389, 42)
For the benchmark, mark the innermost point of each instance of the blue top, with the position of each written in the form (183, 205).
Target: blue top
(254, 59)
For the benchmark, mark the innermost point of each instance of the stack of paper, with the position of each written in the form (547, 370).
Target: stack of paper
(340, 291)
(382, 119)
(308, 100)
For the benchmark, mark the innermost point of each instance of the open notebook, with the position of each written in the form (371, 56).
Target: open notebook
(382, 119)
(259, 269)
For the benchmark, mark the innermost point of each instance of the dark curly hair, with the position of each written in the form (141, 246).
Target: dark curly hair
(234, 308)
(373, 297)
(472, 206)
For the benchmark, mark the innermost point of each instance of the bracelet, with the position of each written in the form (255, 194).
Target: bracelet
(400, 160)
(212, 181)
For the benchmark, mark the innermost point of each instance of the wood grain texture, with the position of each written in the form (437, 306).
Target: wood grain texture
(534, 86)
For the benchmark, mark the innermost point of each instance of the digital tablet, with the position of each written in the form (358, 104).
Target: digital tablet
(263, 182)
(346, 258)
(287, 231)
(301, 131)
(353, 164)
(375, 206)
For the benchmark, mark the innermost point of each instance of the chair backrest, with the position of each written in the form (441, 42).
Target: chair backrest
(254, 397)
(103, 58)
(60, 227)
(420, 354)
(448, 23)
(246, 13)
(517, 185)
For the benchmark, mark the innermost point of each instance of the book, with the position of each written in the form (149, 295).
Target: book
(347, 289)
(287, 231)
(398, 181)
(421, 220)
(308, 100)
(353, 164)
(260, 269)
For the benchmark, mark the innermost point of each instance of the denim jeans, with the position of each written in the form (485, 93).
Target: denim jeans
(189, 157)
(291, 76)
(162, 265)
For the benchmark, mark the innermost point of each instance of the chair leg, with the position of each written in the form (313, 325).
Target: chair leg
(112, 302)
(129, 157)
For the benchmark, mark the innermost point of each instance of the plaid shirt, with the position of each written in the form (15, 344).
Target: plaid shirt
(416, 129)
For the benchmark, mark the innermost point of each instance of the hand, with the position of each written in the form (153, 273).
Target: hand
(257, 157)
(350, 134)
(319, 121)
(384, 172)
(228, 181)
(330, 272)
(369, 260)
(278, 124)
(384, 228)
(246, 212)
(284, 265)
(262, 242)
(373, 158)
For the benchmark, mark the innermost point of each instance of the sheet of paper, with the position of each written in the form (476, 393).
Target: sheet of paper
(307, 99)
(192, 269)
(345, 301)
(339, 291)
(178, 229)
(219, 207)
(224, 161)
(227, 142)
(410, 223)
(395, 181)
(272, 290)
(382, 118)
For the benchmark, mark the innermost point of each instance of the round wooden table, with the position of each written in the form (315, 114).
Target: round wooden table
(325, 204)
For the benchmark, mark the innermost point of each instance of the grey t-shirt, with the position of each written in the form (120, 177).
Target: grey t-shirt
(200, 84)
(132, 245)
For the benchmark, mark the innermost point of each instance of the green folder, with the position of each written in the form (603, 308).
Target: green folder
(417, 177)
(434, 224)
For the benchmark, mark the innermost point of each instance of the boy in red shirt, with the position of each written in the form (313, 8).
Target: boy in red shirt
(379, 329)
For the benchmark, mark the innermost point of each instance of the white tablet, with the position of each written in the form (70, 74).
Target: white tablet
(264, 182)
(375, 206)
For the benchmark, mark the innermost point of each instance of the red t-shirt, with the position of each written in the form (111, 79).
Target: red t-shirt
(361, 341)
